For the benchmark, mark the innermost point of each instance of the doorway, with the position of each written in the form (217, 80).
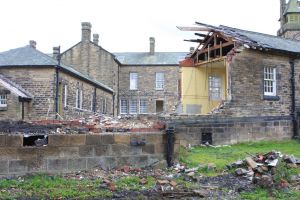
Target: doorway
(159, 106)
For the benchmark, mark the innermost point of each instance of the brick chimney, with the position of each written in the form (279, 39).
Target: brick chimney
(96, 38)
(32, 44)
(56, 52)
(152, 45)
(282, 8)
(86, 31)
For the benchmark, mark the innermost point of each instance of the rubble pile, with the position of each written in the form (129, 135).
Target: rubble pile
(267, 170)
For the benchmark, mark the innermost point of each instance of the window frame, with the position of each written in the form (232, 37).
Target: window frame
(79, 98)
(212, 86)
(3, 101)
(133, 80)
(272, 82)
(126, 106)
(136, 106)
(65, 95)
(141, 106)
(159, 81)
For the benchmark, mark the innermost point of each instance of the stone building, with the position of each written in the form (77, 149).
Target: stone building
(289, 19)
(144, 82)
(92, 60)
(149, 81)
(34, 85)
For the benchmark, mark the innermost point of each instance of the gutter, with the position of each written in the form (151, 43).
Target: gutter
(57, 83)
(293, 99)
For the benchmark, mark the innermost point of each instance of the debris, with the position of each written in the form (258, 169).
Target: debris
(241, 171)
(162, 182)
(201, 193)
(251, 162)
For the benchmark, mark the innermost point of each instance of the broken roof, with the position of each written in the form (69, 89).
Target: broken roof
(292, 7)
(145, 58)
(254, 40)
(29, 56)
(15, 88)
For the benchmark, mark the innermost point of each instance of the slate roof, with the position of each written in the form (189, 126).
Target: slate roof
(257, 40)
(15, 88)
(144, 58)
(292, 7)
(29, 56)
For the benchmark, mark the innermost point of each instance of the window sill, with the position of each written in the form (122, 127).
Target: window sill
(271, 98)
(133, 89)
(161, 89)
(3, 108)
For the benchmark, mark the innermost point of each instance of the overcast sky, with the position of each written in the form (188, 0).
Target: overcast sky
(126, 25)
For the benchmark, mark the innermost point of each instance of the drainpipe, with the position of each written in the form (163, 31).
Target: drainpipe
(170, 146)
(293, 108)
(57, 83)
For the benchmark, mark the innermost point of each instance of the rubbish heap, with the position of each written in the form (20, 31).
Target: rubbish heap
(267, 169)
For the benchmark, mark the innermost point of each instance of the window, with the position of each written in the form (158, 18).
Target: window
(92, 102)
(3, 100)
(79, 98)
(133, 81)
(214, 88)
(143, 106)
(133, 107)
(159, 81)
(124, 106)
(269, 81)
(104, 106)
(65, 95)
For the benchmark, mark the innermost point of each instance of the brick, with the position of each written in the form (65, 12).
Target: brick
(68, 151)
(77, 140)
(148, 149)
(77, 164)
(57, 164)
(86, 151)
(58, 140)
(14, 140)
(122, 138)
(3, 166)
(103, 150)
(2, 140)
(17, 166)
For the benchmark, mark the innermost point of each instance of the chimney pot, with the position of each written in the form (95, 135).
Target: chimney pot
(96, 38)
(86, 28)
(152, 45)
(32, 44)
(56, 52)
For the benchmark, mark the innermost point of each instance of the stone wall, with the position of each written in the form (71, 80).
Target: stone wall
(246, 88)
(146, 86)
(66, 153)
(230, 130)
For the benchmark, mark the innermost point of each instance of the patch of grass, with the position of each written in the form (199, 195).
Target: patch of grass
(266, 194)
(51, 187)
(223, 156)
(133, 183)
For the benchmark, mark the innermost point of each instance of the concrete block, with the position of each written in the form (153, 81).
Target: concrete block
(160, 148)
(77, 140)
(139, 161)
(68, 151)
(77, 164)
(93, 140)
(47, 152)
(86, 151)
(103, 150)
(17, 166)
(122, 150)
(93, 162)
(37, 165)
(107, 139)
(8, 153)
(122, 138)
(107, 162)
(2, 140)
(27, 153)
(3, 166)
(14, 140)
(57, 164)
(148, 149)
(124, 160)
(59, 140)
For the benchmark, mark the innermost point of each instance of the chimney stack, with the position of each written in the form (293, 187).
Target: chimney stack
(32, 44)
(282, 8)
(152, 45)
(56, 52)
(96, 38)
(86, 31)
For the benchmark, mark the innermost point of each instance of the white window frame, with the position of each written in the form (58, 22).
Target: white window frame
(92, 101)
(143, 106)
(79, 98)
(159, 80)
(3, 100)
(269, 81)
(104, 106)
(65, 95)
(133, 76)
(123, 106)
(133, 106)
(215, 87)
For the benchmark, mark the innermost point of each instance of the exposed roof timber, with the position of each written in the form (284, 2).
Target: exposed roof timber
(218, 46)
(201, 34)
(197, 40)
(185, 28)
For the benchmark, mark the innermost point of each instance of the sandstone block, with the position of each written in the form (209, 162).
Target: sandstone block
(57, 164)
(2, 140)
(77, 140)
(17, 166)
(86, 151)
(58, 140)
(14, 140)
(103, 150)
(3, 167)
(77, 164)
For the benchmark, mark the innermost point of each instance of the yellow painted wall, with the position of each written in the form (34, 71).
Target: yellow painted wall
(195, 83)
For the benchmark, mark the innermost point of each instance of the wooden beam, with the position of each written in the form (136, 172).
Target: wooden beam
(184, 28)
(216, 47)
(197, 40)
(201, 34)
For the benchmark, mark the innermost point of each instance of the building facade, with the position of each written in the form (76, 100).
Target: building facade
(35, 86)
